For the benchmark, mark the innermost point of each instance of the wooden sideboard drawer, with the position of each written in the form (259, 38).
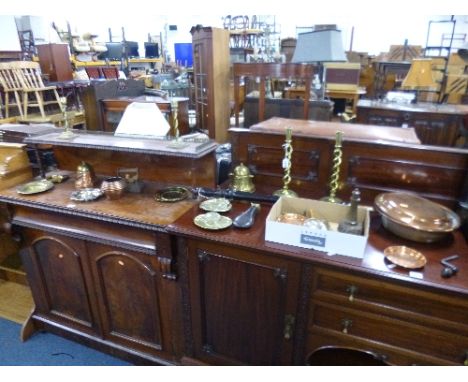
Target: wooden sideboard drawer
(393, 332)
(319, 337)
(437, 310)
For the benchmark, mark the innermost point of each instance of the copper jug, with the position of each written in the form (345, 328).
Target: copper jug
(84, 176)
(242, 179)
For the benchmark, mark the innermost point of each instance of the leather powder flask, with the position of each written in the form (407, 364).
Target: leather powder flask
(84, 176)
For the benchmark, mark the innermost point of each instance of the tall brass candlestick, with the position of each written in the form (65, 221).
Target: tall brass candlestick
(285, 191)
(176, 143)
(67, 133)
(335, 175)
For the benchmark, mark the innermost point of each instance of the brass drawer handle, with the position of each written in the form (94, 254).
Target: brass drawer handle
(289, 322)
(351, 290)
(346, 323)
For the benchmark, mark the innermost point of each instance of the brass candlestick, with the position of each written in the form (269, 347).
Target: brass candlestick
(176, 142)
(335, 175)
(67, 133)
(285, 191)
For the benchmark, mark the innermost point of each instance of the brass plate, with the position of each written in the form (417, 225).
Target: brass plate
(172, 194)
(35, 187)
(416, 212)
(86, 195)
(216, 205)
(405, 257)
(212, 221)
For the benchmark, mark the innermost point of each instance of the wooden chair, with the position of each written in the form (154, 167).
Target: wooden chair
(267, 71)
(33, 88)
(110, 72)
(93, 72)
(10, 87)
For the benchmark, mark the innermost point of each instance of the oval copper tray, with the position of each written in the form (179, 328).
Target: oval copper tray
(405, 257)
(172, 194)
(416, 212)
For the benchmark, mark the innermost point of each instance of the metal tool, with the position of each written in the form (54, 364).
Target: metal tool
(449, 269)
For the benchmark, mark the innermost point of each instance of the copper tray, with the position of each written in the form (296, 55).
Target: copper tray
(415, 218)
(405, 257)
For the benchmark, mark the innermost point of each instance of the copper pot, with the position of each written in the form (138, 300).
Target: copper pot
(113, 187)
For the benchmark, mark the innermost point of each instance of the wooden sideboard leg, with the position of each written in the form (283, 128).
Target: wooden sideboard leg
(28, 328)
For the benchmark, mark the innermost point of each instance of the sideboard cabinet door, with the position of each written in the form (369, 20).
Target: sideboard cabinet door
(60, 280)
(127, 285)
(243, 305)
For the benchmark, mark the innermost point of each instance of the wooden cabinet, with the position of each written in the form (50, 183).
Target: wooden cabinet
(55, 62)
(434, 124)
(243, 305)
(402, 325)
(211, 76)
(109, 286)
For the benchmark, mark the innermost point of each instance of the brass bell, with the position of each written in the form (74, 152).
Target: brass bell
(242, 179)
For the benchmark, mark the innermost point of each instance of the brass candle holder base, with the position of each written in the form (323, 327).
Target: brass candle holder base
(67, 134)
(285, 192)
(331, 199)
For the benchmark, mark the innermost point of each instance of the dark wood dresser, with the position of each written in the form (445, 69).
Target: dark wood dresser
(435, 124)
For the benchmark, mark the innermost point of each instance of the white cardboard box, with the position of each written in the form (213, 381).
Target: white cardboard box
(330, 241)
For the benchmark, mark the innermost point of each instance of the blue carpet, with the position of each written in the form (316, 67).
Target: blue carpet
(46, 349)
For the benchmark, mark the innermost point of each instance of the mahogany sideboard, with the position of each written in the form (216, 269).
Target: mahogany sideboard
(435, 124)
(136, 278)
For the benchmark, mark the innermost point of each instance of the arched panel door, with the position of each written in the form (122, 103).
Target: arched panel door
(127, 289)
(64, 283)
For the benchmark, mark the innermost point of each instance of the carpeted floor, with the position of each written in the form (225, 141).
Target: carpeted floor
(46, 349)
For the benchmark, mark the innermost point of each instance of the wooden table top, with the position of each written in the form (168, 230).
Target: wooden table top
(373, 261)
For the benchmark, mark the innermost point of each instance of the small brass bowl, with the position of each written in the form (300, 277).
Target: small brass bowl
(291, 218)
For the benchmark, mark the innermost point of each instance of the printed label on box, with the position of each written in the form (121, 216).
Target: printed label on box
(313, 240)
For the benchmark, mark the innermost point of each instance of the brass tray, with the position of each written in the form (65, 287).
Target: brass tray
(172, 194)
(212, 221)
(86, 195)
(216, 205)
(405, 257)
(35, 187)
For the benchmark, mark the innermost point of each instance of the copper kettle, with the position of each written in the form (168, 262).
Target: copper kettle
(242, 179)
(84, 176)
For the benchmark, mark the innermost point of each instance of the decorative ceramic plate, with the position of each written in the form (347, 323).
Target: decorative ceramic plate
(172, 194)
(86, 194)
(405, 257)
(212, 221)
(216, 205)
(35, 187)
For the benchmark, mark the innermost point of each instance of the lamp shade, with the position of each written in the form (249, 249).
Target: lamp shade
(420, 75)
(319, 46)
(463, 52)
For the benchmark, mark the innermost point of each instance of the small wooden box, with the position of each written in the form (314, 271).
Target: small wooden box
(14, 165)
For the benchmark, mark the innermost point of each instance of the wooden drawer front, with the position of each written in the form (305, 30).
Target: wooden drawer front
(319, 337)
(381, 329)
(391, 299)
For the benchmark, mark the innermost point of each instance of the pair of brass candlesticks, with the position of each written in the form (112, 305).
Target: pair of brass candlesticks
(334, 178)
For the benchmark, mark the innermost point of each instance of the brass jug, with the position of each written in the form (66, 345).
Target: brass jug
(84, 176)
(242, 179)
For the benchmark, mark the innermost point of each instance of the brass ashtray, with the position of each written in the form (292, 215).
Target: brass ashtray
(172, 194)
(291, 218)
(57, 178)
(405, 257)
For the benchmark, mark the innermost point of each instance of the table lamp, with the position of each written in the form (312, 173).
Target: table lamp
(419, 77)
(319, 46)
